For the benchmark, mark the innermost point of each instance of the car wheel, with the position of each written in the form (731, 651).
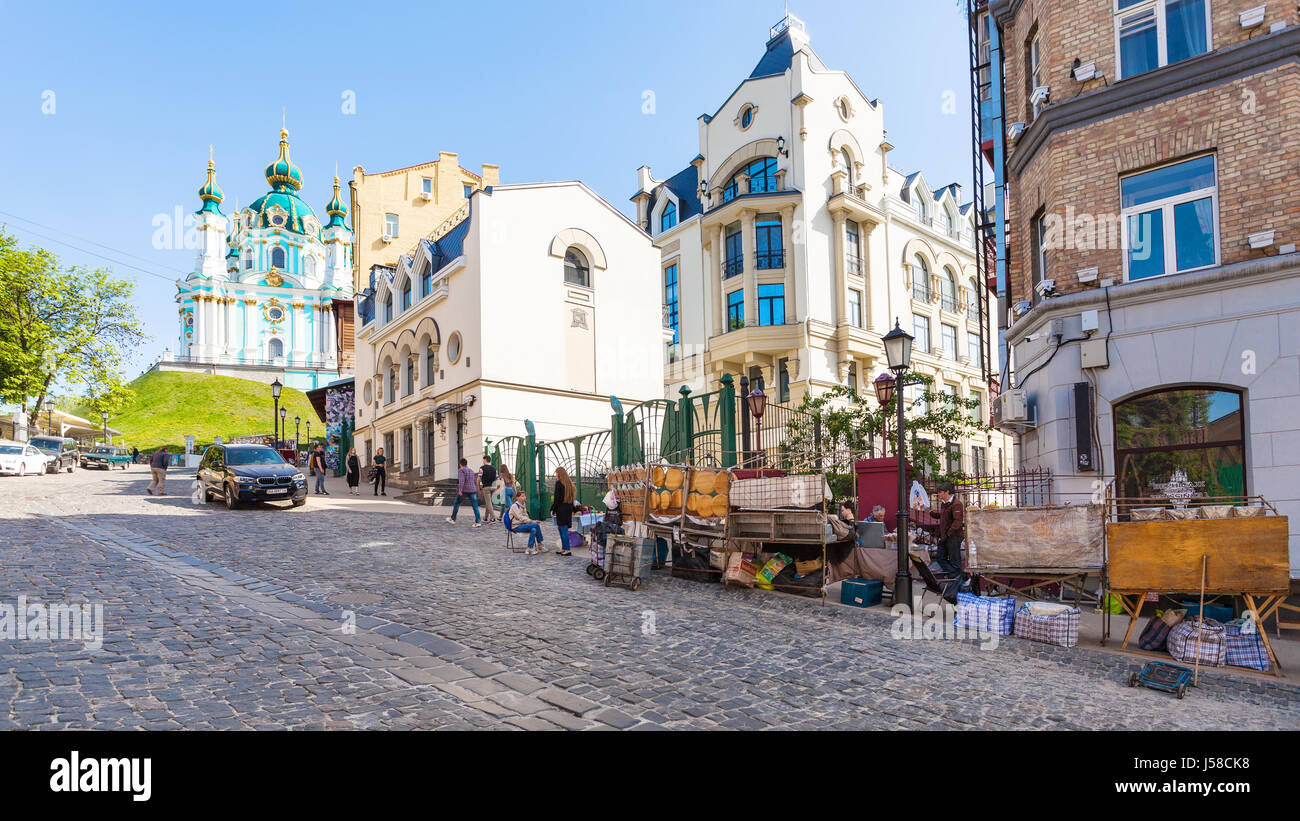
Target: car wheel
(232, 498)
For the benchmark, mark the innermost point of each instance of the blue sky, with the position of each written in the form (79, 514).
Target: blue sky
(547, 90)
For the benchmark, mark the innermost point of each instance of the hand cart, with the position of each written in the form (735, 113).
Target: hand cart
(1162, 676)
(627, 559)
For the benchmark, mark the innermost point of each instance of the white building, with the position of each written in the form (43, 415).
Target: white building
(789, 246)
(535, 302)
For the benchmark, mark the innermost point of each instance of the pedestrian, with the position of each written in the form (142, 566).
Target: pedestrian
(135, 456)
(380, 474)
(158, 471)
(354, 472)
(317, 462)
(521, 523)
(949, 529)
(466, 488)
(487, 483)
(507, 486)
(562, 508)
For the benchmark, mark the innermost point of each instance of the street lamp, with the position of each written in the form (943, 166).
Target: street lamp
(284, 426)
(309, 431)
(49, 416)
(898, 355)
(297, 446)
(104, 414)
(757, 403)
(884, 386)
(275, 414)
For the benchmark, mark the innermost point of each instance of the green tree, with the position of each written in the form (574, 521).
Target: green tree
(58, 326)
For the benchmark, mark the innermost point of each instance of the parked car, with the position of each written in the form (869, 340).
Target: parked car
(20, 459)
(61, 450)
(106, 457)
(249, 473)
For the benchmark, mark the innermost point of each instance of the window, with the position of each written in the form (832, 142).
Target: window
(920, 404)
(954, 458)
(277, 257)
(978, 460)
(747, 117)
(762, 177)
(275, 348)
(920, 280)
(945, 222)
(735, 310)
(845, 162)
(390, 225)
(426, 282)
(466, 190)
(392, 383)
(576, 269)
(922, 207)
(973, 301)
(973, 347)
(853, 377)
(669, 217)
(948, 290)
(948, 341)
(1195, 430)
(1035, 76)
(309, 265)
(1170, 219)
(842, 106)
(406, 295)
(977, 412)
(735, 261)
(426, 186)
(248, 259)
(430, 364)
(852, 252)
(921, 330)
(388, 308)
(767, 242)
(771, 305)
(410, 376)
(1038, 238)
(453, 348)
(783, 380)
(1154, 33)
(670, 299)
(855, 307)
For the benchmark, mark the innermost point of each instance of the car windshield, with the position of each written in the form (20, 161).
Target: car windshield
(105, 451)
(10, 450)
(253, 456)
(47, 445)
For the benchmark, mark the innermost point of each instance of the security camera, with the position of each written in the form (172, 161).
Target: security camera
(1046, 287)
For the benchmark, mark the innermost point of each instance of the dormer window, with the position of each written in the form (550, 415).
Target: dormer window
(669, 217)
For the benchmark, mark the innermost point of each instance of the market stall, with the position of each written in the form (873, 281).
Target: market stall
(778, 530)
(1206, 547)
(1027, 551)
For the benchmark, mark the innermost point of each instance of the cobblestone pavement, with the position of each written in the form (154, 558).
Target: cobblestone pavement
(220, 619)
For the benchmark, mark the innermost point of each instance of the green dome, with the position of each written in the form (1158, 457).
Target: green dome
(336, 209)
(283, 175)
(284, 206)
(210, 193)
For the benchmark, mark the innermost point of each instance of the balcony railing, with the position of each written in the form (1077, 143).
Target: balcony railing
(853, 264)
(767, 260)
(732, 267)
(256, 361)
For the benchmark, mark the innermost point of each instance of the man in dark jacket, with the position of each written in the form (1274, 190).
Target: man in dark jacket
(158, 470)
(949, 530)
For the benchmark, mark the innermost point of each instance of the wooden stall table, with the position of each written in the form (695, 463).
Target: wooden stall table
(1044, 545)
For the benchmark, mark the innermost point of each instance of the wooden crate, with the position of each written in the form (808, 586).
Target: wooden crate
(794, 526)
(1246, 555)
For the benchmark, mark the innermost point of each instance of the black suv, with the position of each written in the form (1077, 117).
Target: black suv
(250, 473)
(62, 449)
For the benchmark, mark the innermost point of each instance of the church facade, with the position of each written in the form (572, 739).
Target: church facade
(261, 302)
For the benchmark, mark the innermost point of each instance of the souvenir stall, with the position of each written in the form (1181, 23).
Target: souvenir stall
(777, 534)
(1031, 551)
(688, 511)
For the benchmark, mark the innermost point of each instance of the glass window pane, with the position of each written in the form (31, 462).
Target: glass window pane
(1146, 245)
(1139, 49)
(1194, 234)
(1170, 181)
(1184, 29)
(1179, 417)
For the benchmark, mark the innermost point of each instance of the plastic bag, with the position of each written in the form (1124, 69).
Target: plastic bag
(770, 570)
(918, 497)
(610, 501)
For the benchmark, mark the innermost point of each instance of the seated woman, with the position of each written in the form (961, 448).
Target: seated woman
(521, 523)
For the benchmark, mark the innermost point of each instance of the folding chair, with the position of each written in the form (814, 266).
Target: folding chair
(510, 535)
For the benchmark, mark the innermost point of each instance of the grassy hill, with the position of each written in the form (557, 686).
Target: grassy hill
(170, 404)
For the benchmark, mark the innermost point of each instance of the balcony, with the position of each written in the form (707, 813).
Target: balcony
(732, 266)
(853, 264)
(768, 260)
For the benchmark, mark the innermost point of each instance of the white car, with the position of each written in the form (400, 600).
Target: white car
(22, 459)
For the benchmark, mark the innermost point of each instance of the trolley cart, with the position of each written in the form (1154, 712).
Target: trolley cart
(1162, 676)
(596, 569)
(626, 561)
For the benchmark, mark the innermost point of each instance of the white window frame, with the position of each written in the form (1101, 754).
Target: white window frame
(1162, 42)
(928, 347)
(1166, 207)
(1036, 67)
(426, 185)
(943, 351)
(390, 219)
(855, 307)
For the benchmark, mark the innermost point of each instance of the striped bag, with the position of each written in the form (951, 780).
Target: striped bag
(986, 614)
(1061, 628)
(1183, 643)
(1245, 649)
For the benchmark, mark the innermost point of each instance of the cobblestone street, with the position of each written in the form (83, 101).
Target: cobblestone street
(219, 619)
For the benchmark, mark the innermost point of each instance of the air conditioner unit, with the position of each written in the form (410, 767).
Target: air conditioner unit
(388, 236)
(1013, 407)
(426, 195)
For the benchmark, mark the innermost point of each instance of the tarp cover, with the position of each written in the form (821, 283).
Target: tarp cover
(1069, 537)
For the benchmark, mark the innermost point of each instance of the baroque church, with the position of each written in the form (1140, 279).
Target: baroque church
(261, 302)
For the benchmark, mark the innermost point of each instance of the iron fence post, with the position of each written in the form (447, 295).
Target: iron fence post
(685, 428)
(744, 420)
(727, 421)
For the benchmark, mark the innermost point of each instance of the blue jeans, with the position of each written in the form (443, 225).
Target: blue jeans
(473, 498)
(509, 493)
(564, 537)
(320, 481)
(534, 531)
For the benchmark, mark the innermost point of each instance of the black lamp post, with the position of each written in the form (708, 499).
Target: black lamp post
(104, 414)
(297, 442)
(309, 431)
(898, 354)
(884, 386)
(757, 403)
(275, 414)
(49, 416)
(284, 426)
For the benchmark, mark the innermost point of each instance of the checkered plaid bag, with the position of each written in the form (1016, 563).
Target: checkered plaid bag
(1245, 649)
(987, 614)
(1061, 629)
(1183, 642)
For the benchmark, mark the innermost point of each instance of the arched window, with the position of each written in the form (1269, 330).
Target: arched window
(762, 177)
(430, 364)
(275, 348)
(1196, 433)
(576, 269)
(277, 257)
(948, 290)
(309, 265)
(392, 383)
(410, 376)
(669, 217)
(920, 280)
(388, 308)
(922, 207)
(248, 259)
(846, 163)
(946, 223)
(406, 295)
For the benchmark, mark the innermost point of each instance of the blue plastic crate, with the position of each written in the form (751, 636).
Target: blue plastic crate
(1218, 612)
(860, 592)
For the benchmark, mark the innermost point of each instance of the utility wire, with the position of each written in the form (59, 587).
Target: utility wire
(93, 253)
(100, 256)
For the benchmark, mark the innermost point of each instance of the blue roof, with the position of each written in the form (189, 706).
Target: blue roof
(685, 185)
(779, 55)
(449, 246)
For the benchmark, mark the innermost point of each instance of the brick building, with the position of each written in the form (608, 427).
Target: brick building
(1149, 287)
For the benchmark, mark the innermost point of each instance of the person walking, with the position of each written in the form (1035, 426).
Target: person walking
(562, 508)
(354, 472)
(135, 456)
(507, 486)
(487, 484)
(158, 471)
(521, 523)
(381, 475)
(317, 462)
(466, 488)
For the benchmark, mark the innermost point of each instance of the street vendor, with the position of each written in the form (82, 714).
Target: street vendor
(949, 529)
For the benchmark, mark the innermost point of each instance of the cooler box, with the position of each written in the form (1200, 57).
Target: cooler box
(860, 592)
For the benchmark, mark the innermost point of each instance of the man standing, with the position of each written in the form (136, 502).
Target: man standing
(135, 456)
(158, 470)
(487, 478)
(466, 488)
(317, 463)
(950, 529)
